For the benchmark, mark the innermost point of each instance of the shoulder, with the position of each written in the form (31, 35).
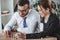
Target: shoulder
(34, 12)
(54, 17)
(15, 15)
(35, 15)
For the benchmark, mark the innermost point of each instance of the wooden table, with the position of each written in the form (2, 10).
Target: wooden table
(4, 38)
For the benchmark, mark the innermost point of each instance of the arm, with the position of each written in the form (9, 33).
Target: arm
(45, 33)
(10, 24)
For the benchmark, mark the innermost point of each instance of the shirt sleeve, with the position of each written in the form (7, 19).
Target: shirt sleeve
(10, 24)
(50, 31)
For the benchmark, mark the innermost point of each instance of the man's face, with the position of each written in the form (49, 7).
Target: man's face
(23, 10)
(42, 11)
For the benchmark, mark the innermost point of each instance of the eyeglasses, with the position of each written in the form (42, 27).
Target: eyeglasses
(23, 11)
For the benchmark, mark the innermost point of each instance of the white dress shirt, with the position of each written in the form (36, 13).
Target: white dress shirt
(41, 25)
(32, 18)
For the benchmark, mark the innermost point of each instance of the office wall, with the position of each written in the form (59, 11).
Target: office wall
(7, 5)
(0, 5)
(15, 2)
(0, 18)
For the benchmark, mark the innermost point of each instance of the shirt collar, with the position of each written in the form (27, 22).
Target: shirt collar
(47, 17)
(28, 13)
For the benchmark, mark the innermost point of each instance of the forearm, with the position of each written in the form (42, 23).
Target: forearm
(7, 28)
(34, 36)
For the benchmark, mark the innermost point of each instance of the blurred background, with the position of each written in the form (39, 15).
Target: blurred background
(8, 7)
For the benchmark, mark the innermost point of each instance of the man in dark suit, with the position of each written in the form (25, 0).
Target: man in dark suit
(50, 21)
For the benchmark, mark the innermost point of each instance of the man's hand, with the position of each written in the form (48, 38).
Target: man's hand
(20, 35)
(7, 33)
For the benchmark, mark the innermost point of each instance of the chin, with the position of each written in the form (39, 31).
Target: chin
(22, 15)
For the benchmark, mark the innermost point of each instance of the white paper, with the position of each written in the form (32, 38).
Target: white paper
(41, 27)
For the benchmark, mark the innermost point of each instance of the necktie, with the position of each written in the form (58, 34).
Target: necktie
(24, 22)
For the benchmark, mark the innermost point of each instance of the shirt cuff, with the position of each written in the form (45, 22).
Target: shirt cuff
(5, 29)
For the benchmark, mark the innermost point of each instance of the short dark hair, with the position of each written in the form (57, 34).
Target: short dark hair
(23, 2)
(44, 3)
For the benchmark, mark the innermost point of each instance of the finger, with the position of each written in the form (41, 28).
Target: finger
(8, 33)
(18, 35)
(5, 34)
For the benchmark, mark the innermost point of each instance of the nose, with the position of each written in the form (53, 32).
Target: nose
(40, 12)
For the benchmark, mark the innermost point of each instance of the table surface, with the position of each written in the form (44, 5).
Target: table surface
(12, 38)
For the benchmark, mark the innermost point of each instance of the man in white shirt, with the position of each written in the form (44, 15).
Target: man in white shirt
(25, 18)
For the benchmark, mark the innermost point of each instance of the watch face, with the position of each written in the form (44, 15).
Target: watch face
(41, 27)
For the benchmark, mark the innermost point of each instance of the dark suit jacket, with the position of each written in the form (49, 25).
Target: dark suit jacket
(50, 28)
